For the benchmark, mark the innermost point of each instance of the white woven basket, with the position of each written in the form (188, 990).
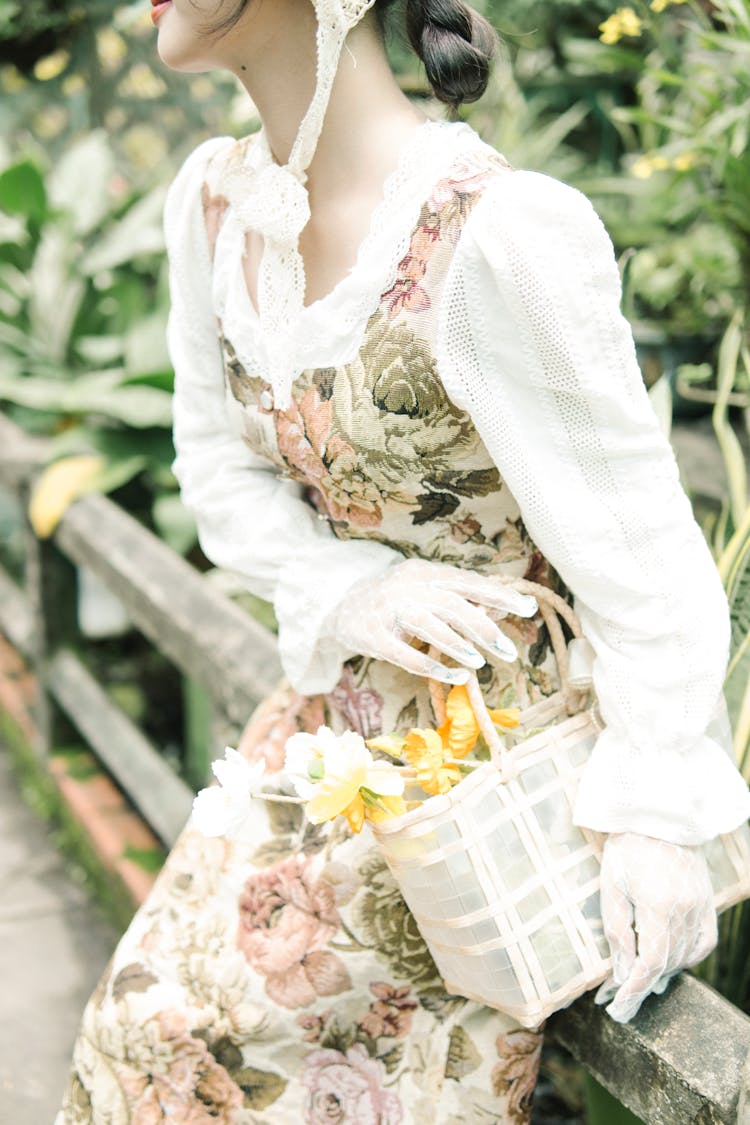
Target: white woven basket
(503, 886)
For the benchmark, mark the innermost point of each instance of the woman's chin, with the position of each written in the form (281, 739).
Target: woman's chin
(182, 56)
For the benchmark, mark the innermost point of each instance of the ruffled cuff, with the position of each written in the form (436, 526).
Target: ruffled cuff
(684, 796)
(308, 593)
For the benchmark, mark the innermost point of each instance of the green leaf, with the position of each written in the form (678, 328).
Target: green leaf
(79, 181)
(139, 232)
(96, 393)
(22, 191)
(463, 1055)
(146, 346)
(133, 978)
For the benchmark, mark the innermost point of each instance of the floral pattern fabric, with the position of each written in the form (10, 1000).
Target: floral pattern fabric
(279, 977)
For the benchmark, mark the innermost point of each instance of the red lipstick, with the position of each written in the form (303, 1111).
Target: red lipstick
(158, 9)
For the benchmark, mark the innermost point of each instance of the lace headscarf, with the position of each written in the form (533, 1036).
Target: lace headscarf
(272, 199)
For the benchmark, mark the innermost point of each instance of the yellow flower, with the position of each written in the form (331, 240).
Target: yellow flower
(684, 161)
(424, 751)
(336, 774)
(505, 717)
(646, 165)
(355, 813)
(623, 22)
(58, 486)
(385, 809)
(111, 48)
(460, 730)
(391, 744)
(51, 66)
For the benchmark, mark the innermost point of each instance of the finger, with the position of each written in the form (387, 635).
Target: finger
(430, 628)
(419, 664)
(473, 622)
(617, 922)
(663, 983)
(488, 591)
(606, 991)
(633, 992)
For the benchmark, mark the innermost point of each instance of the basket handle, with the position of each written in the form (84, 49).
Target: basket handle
(552, 607)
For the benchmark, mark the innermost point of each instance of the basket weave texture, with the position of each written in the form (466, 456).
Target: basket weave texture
(504, 887)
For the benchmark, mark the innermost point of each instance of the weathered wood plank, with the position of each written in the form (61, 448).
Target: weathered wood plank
(206, 635)
(681, 1061)
(162, 797)
(16, 617)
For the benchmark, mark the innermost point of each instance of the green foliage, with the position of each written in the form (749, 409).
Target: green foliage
(83, 304)
(686, 164)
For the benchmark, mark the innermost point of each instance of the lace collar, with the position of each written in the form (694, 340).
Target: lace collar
(329, 331)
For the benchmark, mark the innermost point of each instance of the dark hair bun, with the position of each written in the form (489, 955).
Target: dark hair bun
(455, 44)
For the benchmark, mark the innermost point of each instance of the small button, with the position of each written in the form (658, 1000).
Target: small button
(266, 400)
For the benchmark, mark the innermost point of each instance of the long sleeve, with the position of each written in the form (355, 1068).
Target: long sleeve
(534, 347)
(249, 520)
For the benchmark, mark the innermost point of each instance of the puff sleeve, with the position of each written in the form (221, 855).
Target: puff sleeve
(534, 347)
(249, 520)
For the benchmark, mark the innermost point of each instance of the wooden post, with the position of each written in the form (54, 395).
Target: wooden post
(50, 585)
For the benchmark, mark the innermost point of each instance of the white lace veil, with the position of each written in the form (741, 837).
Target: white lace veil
(272, 199)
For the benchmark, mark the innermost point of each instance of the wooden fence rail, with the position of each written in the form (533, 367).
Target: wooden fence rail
(683, 1060)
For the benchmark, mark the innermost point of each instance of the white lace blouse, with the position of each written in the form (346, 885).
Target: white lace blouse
(534, 347)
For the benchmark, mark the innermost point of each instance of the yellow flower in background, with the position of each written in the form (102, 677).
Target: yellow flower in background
(424, 751)
(685, 161)
(142, 82)
(646, 165)
(73, 84)
(111, 48)
(58, 486)
(621, 24)
(11, 80)
(51, 66)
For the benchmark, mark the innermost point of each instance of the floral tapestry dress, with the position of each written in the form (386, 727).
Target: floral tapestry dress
(278, 977)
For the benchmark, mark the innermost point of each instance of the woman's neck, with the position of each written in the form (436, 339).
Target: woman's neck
(368, 117)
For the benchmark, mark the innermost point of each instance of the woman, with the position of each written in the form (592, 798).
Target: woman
(401, 368)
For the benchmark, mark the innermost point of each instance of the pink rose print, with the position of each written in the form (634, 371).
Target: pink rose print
(346, 1088)
(189, 1086)
(314, 1026)
(465, 178)
(360, 708)
(391, 1014)
(406, 292)
(214, 209)
(281, 715)
(326, 462)
(514, 1077)
(286, 920)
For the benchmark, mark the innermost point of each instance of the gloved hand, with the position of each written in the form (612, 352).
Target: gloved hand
(432, 602)
(658, 914)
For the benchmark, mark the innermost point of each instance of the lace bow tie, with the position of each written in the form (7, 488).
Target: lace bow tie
(270, 200)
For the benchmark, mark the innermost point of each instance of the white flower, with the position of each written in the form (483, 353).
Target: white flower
(328, 771)
(223, 809)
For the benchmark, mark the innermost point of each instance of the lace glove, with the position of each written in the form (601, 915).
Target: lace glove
(658, 914)
(442, 605)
